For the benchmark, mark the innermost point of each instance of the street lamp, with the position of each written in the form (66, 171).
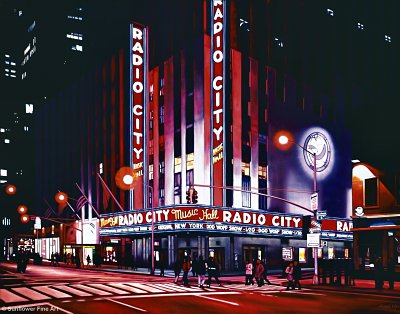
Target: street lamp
(11, 189)
(127, 179)
(285, 140)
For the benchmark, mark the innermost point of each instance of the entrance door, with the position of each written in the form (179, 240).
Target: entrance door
(252, 253)
(219, 256)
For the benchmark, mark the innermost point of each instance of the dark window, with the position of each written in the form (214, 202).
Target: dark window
(371, 192)
(246, 196)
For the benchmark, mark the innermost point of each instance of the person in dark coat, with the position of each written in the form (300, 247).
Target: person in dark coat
(213, 271)
(378, 272)
(177, 270)
(296, 275)
(186, 266)
(201, 271)
(265, 274)
(391, 272)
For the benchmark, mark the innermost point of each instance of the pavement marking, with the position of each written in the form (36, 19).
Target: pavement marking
(92, 290)
(175, 294)
(127, 287)
(52, 292)
(73, 291)
(174, 287)
(107, 288)
(223, 301)
(127, 305)
(31, 294)
(9, 297)
(145, 287)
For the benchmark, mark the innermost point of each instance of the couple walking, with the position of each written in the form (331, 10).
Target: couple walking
(258, 271)
(293, 275)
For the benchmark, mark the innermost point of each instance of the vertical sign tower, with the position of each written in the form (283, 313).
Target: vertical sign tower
(138, 112)
(218, 8)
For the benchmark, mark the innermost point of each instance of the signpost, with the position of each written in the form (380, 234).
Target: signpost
(314, 240)
(38, 223)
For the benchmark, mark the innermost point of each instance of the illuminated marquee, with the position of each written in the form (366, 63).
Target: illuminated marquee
(217, 79)
(138, 72)
(337, 229)
(202, 219)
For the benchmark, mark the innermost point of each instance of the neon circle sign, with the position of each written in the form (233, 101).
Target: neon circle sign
(317, 143)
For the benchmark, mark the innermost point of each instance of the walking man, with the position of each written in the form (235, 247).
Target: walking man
(212, 269)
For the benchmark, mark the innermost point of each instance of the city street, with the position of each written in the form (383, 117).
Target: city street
(68, 290)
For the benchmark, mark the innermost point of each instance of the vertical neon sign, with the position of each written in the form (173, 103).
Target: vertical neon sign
(138, 105)
(217, 95)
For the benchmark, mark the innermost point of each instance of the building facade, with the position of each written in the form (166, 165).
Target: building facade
(201, 109)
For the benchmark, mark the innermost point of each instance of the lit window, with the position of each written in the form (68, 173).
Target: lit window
(13, 71)
(2, 130)
(12, 76)
(76, 36)
(23, 75)
(7, 56)
(388, 38)
(101, 168)
(27, 49)
(29, 108)
(278, 42)
(360, 26)
(3, 172)
(7, 141)
(77, 47)
(244, 24)
(7, 62)
(30, 28)
(26, 128)
(329, 11)
(12, 63)
(7, 70)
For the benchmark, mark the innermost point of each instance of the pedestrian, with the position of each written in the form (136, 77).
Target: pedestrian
(162, 266)
(52, 259)
(88, 260)
(259, 274)
(72, 258)
(289, 276)
(378, 272)
(249, 273)
(296, 275)
(78, 261)
(213, 271)
(186, 268)
(177, 270)
(391, 272)
(57, 259)
(265, 274)
(201, 271)
(194, 266)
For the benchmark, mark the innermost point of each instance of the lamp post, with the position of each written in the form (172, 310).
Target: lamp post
(127, 179)
(284, 140)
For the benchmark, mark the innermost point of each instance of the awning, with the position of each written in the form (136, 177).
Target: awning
(377, 228)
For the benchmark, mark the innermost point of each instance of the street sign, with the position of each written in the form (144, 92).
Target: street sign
(314, 230)
(314, 201)
(321, 214)
(316, 224)
(38, 223)
(313, 240)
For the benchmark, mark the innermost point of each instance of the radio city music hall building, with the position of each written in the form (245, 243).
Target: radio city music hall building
(208, 116)
(209, 121)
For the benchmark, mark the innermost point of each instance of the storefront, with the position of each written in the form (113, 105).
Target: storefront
(376, 236)
(231, 235)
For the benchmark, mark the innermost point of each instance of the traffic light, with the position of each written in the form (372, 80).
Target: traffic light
(189, 196)
(194, 197)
